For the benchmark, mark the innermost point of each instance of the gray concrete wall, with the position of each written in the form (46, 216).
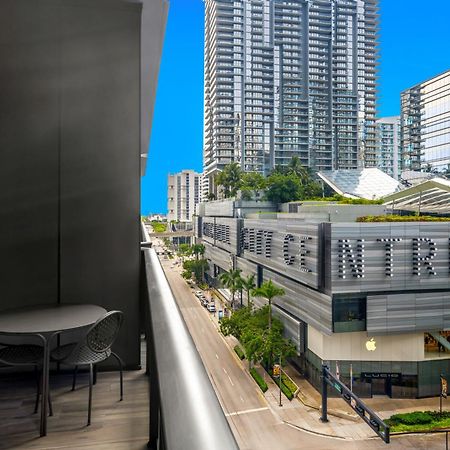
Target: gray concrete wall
(70, 140)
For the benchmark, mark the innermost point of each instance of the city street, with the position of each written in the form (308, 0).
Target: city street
(253, 421)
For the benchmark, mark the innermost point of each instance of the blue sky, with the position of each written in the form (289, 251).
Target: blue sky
(414, 46)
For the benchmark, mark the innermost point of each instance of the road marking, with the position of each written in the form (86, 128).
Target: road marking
(225, 370)
(247, 411)
(217, 356)
(231, 381)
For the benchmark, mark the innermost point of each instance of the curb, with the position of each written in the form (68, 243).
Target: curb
(331, 412)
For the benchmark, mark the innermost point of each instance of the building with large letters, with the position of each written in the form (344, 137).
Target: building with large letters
(372, 297)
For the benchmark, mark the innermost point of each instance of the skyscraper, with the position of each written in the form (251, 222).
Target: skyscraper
(388, 146)
(425, 119)
(290, 77)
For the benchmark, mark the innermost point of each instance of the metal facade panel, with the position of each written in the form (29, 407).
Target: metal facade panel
(218, 257)
(307, 304)
(291, 328)
(222, 232)
(397, 313)
(247, 267)
(289, 247)
(372, 269)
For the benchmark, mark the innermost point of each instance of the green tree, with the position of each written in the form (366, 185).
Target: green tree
(252, 183)
(197, 267)
(184, 250)
(248, 284)
(236, 323)
(274, 344)
(283, 188)
(230, 179)
(269, 291)
(231, 280)
(259, 342)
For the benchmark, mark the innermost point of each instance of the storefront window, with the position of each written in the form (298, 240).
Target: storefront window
(349, 314)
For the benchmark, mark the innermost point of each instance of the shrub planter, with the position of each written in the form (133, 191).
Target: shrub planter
(259, 379)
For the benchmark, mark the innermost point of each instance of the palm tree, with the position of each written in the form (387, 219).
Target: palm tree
(232, 280)
(296, 167)
(269, 291)
(197, 250)
(230, 179)
(248, 284)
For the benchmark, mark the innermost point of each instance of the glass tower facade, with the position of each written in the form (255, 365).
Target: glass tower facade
(290, 77)
(426, 125)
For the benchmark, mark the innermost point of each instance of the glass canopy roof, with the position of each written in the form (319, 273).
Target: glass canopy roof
(371, 184)
(431, 196)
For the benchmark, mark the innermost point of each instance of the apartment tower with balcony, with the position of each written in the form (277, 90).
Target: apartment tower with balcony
(286, 78)
(183, 194)
(388, 146)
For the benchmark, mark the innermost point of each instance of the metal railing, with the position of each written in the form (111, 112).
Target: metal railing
(184, 410)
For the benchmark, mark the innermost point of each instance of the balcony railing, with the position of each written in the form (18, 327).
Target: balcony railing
(184, 410)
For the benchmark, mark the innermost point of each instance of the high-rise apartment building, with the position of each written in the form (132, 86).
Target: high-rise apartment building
(183, 193)
(388, 153)
(290, 77)
(425, 120)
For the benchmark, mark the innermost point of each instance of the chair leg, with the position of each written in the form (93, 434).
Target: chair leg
(74, 379)
(50, 407)
(95, 374)
(38, 389)
(119, 360)
(91, 376)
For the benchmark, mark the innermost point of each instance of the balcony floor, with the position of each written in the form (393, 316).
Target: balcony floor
(115, 425)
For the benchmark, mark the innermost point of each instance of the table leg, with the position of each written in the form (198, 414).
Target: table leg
(45, 376)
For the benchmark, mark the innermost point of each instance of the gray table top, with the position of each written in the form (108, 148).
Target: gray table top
(48, 318)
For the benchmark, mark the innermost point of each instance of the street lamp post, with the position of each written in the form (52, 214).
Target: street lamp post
(280, 381)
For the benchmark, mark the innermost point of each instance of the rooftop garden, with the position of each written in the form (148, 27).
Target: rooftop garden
(341, 200)
(398, 218)
(159, 227)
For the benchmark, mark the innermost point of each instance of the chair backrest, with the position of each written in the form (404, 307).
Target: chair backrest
(103, 333)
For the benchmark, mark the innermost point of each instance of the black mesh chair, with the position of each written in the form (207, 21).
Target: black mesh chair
(93, 348)
(25, 355)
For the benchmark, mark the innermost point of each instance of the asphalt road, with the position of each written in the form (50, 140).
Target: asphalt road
(253, 423)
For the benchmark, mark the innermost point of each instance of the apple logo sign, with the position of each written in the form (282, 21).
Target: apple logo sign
(371, 345)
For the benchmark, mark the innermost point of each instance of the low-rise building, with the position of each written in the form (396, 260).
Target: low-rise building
(183, 194)
(372, 298)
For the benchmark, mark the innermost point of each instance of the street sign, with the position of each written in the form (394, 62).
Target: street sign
(369, 416)
(443, 387)
(276, 370)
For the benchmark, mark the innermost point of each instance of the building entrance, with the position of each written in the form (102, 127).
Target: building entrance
(381, 382)
(381, 387)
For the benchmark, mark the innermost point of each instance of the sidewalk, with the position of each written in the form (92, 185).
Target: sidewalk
(343, 423)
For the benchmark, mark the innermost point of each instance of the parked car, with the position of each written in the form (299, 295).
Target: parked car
(198, 293)
(211, 307)
(205, 302)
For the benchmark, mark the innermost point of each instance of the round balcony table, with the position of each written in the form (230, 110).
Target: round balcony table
(46, 321)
